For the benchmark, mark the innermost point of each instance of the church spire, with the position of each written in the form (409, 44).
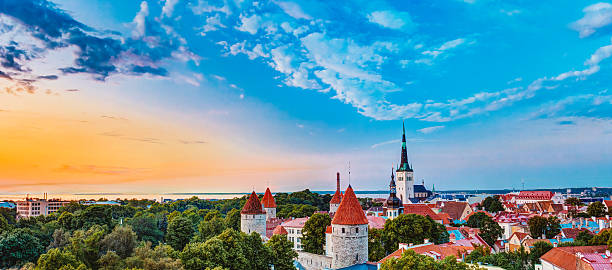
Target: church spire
(404, 166)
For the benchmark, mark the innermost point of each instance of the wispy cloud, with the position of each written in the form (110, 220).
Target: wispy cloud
(391, 19)
(428, 130)
(385, 143)
(595, 17)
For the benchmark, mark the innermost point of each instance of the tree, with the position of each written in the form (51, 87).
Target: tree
(376, 251)
(541, 226)
(146, 227)
(210, 228)
(61, 239)
(4, 225)
(539, 249)
(232, 219)
(180, 231)
(314, 233)
(162, 257)
(573, 201)
(95, 215)
(110, 261)
(55, 259)
(86, 245)
(282, 253)
(121, 241)
(414, 229)
(492, 204)
(18, 247)
(602, 238)
(596, 209)
(412, 260)
(490, 231)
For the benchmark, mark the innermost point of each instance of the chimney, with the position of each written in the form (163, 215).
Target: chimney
(555, 244)
(337, 180)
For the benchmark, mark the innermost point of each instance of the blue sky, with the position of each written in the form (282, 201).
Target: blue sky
(491, 92)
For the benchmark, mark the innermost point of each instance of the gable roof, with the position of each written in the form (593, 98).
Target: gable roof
(252, 206)
(349, 211)
(520, 235)
(421, 209)
(452, 208)
(268, 199)
(565, 257)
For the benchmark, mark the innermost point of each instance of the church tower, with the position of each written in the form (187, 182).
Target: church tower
(337, 198)
(393, 205)
(349, 236)
(269, 204)
(405, 174)
(253, 217)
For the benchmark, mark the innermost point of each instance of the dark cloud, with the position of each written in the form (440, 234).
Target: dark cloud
(99, 53)
(72, 90)
(48, 77)
(191, 142)
(4, 75)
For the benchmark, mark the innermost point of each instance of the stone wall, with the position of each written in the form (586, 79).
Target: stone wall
(253, 223)
(349, 245)
(312, 261)
(270, 213)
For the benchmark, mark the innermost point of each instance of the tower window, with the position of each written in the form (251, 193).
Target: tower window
(342, 230)
(356, 230)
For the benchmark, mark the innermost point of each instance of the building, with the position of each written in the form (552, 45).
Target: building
(458, 211)
(346, 240)
(393, 205)
(405, 174)
(423, 210)
(437, 252)
(533, 196)
(337, 198)
(349, 233)
(575, 258)
(269, 205)
(36, 207)
(294, 229)
(253, 217)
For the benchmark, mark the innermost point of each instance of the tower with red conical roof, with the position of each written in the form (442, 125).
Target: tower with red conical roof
(253, 217)
(269, 205)
(349, 236)
(337, 198)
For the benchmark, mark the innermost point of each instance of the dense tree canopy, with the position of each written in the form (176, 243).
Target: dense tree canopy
(414, 261)
(489, 229)
(492, 204)
(314, 233)
(414, 229)
(541, 226)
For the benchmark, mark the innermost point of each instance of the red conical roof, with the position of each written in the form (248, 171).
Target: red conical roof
(268, 199)
(349, 212)
(337, 198)
(252, 206)
(280, 230)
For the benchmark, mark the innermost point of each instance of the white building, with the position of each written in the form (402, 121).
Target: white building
(36, 207)
(294, 231)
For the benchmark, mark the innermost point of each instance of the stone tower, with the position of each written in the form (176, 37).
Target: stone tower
(337, 198)
(393, 205)
(253, 217)
(269, 204)
(405, 174)
(349, 235)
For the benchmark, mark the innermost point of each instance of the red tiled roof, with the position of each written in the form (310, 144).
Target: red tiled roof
(565, 257)
(328, 229)
(541, 194)
(573, 232)
(520, 236)
(421, 209)
(441, 251)
(376, 222)
(252, 206)
(453, 209)
(279, 230)
(349, 212)
(337, 198)
(608, 203)
(268, 199)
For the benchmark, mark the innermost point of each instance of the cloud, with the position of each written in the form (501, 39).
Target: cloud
(48, 77)
(428, 130)
(43, 27)
(595, 17)
(566, 123)
(249, 24)
(294, 10)
(168, 8)
(444, 47)
(587, 105)
(391, 19)
(385, 143)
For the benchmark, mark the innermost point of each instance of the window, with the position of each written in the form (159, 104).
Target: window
(356, 230)
(342, 230)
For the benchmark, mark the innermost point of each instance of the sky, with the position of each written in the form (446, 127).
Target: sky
(238, 95)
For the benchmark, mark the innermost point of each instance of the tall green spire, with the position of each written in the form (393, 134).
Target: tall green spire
(404, 166)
